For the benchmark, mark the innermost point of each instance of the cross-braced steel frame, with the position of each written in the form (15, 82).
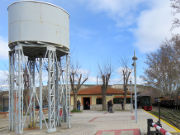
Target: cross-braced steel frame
(23, 69)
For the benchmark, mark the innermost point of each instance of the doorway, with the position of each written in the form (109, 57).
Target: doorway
(86, 103)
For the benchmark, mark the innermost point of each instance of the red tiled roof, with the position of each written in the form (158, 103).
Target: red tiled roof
(96, 90)
(128, 96)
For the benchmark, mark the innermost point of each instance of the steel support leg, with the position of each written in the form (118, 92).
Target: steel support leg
(40, 93)
(64, 104)
(67, 93)
(57, 94)
(11, 90)
(18, 79)
(32, 93)
(51, 89)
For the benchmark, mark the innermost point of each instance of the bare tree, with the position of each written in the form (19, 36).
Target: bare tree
(105, 73)
(77, 79)
(176, 41)
(126, 72)
(162, 72)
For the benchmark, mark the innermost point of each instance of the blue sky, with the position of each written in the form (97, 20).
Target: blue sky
(103, 31)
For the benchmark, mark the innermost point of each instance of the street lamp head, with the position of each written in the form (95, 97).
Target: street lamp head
(134, 58)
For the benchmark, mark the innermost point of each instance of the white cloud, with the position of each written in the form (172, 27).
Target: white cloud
(153, 26)
(121, 11)
(92, 80)
(3, 48)
(153, 18)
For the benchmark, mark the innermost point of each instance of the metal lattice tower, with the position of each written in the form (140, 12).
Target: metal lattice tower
(58, 89)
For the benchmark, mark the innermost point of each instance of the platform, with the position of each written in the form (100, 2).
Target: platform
(103, 123)
(119, 132)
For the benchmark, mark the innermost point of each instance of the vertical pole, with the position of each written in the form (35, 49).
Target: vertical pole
(40, 93)
(134, 64)
(159, 122)
(135, 91)
(131, 96)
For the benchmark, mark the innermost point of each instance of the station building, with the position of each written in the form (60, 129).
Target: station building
(92, 95)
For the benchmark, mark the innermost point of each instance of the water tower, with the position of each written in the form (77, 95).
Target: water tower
(39, 49)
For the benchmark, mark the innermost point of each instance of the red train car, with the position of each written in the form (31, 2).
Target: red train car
(145, 102)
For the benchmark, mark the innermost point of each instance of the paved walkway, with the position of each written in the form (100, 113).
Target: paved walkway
(103, 123)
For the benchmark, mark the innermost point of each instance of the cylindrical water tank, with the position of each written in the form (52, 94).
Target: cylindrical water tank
(34, 21)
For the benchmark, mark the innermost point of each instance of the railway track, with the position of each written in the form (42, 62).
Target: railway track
(170, 115)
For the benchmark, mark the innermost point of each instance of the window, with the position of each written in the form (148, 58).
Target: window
(98, 101)
(121, 100)
(117, 100)
(128, 100)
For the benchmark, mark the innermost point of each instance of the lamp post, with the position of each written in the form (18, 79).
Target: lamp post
(131, 96)
(159, 113)
(134, 58)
